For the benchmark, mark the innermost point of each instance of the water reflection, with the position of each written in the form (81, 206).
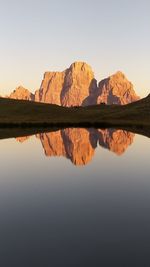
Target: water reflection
(55, 214)
(79, 144)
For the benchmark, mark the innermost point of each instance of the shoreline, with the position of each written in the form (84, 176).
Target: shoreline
(19, 131)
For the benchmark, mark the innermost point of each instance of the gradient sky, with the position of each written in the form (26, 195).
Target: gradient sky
(38, 36)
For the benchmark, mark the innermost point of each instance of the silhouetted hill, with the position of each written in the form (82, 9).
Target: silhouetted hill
(28, 113)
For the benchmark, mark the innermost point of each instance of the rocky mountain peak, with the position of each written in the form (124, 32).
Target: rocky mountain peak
(80, 66)
(22, 93)
(116, 89)
(74, 86)
(77, 86)
(118, 75)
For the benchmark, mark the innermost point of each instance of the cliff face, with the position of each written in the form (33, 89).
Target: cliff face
(51, 88)
(79, 86)
(73, 87)
(22, 93)
(116, 89)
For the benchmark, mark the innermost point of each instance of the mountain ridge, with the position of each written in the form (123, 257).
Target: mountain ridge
(77, 86)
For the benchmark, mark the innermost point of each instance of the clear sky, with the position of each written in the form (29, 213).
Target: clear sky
(38, 36)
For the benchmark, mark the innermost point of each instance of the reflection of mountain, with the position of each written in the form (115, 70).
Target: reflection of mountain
(78, 144)
(71, 143)
(116, 141)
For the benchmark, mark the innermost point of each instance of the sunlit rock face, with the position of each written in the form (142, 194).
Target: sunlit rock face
(116, 89)
(51, 88)
(22, 93)
(79, 144)
(79, 86)
(116, 141)
(75, 86)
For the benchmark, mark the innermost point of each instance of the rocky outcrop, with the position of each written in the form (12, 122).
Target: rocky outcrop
(75, 86)
(116, 89)
(79, 87)
(51, 88)
(22, 93)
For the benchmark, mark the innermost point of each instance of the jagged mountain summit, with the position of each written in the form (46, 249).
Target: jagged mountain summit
(77, 86)
(116, 89)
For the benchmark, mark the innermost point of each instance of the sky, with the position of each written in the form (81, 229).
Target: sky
(38, 36)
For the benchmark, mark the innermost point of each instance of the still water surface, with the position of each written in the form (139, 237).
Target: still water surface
(75, 197)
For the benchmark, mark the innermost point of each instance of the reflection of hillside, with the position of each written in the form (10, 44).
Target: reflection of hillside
(78, 144)
(22, 139)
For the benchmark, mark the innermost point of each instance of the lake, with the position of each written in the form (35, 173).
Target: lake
(75, 197)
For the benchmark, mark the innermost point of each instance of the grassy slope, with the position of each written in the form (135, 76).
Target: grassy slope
(26, 113)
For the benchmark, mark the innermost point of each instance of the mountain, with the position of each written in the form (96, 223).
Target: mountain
(22, 93)
(77, 86)
(51, 87)
(116, 89)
